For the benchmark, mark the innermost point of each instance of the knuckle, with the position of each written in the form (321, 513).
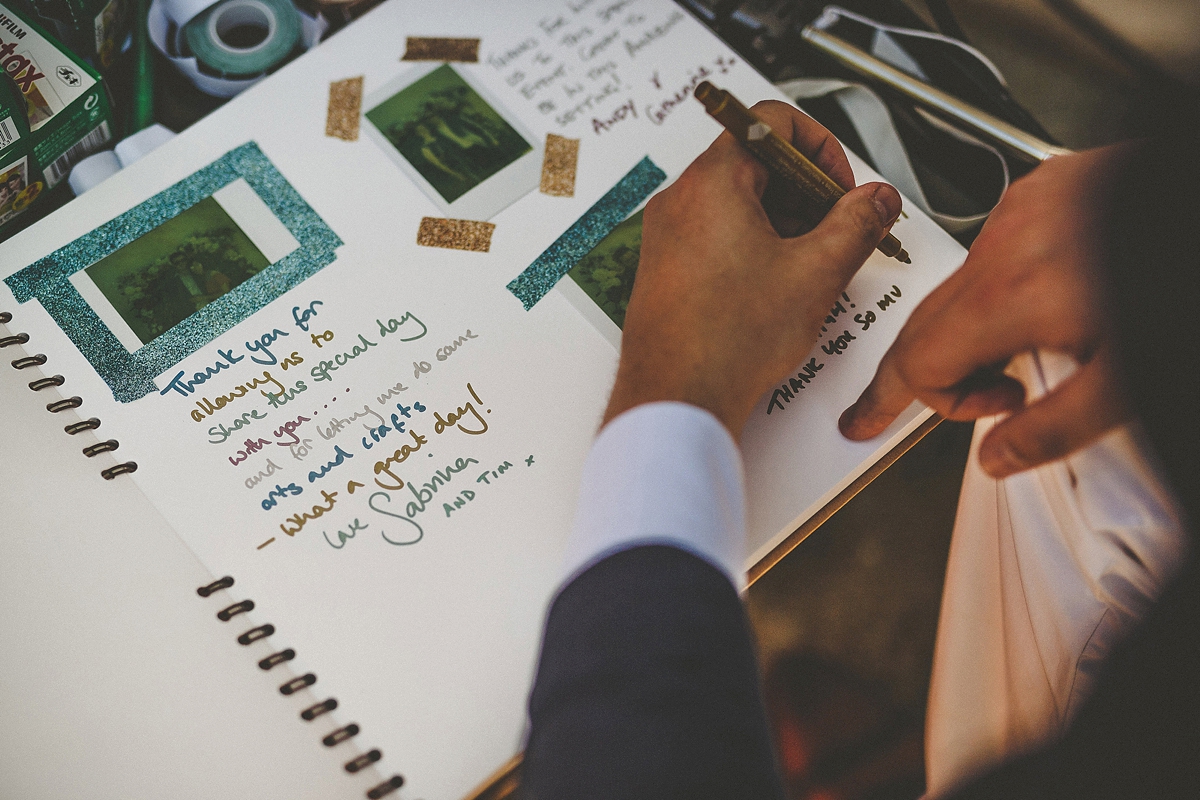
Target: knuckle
(854, 234)
(773, 112)
(865, 221)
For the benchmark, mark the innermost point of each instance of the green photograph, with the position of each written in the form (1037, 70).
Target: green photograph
(173, 271)
(447, 132)
(606, 273)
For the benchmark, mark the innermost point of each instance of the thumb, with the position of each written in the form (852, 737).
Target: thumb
(1077, 412)
(853, 228)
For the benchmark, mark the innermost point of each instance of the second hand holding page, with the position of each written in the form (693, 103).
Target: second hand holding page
(386, 454)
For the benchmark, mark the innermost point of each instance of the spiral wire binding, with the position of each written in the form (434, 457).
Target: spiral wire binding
(229, 612)
(254, 634)
(65, 404)
(294, 685)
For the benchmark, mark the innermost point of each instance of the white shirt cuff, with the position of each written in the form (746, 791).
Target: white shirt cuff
(662, 473)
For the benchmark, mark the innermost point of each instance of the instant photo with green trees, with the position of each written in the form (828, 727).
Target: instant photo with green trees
(448, 133)
(606, 273)
(173, 271)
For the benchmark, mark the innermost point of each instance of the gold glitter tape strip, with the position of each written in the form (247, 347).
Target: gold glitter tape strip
(345, 106)
(456, 234)
(423, 48)
(558, 166)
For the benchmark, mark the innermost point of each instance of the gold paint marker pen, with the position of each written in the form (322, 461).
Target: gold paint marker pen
(779, 156)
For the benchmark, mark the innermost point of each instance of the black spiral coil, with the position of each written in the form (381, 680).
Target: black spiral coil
(332, 739)
(54, 381)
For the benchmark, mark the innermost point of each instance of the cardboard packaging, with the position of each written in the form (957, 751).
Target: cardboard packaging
(54, 111)
(92, 29)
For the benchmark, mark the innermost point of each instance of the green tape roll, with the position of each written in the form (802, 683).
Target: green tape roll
(243, 38)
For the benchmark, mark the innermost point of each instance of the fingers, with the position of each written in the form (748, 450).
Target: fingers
(881, 402)
(809, 137)
(985, 392)
(739, 169)
(843, 240)
(1028, 283)
(1076, 413)
(968, 328)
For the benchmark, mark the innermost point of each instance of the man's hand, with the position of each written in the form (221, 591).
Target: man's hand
(1032, 280)
(723, 305)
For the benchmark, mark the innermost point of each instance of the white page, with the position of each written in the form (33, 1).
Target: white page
(431, 645)
(118, 679)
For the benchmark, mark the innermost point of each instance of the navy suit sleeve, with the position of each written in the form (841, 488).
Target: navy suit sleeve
(648, 687)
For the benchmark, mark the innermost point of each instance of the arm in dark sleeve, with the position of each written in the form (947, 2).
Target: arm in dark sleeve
(648, 687)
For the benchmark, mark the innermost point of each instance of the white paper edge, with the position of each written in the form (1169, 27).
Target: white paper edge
(900, 429)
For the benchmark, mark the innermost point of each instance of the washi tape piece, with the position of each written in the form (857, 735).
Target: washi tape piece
(345, 108)
(455, 234)
(425, 48)
(241, 191)
(558, 166)
(608, 212)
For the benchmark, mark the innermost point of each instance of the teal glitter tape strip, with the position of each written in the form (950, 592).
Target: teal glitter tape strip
(608, 212)
(131, 375)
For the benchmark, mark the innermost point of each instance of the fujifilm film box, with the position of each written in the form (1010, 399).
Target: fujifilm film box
(54, 111)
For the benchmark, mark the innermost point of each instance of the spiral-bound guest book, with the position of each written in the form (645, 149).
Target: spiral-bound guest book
(357, 377)
(117, 681)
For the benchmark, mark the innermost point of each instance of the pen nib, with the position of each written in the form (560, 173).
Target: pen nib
(902, 257)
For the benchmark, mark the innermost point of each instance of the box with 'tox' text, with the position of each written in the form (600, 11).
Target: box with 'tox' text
(54, 111)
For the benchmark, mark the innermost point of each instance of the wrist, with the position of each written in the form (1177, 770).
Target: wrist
(664, 386)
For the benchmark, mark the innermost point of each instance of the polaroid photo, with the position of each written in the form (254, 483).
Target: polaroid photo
(169, 273)
(455, 140)
(602, 281)
(15, 192)
(155, 284)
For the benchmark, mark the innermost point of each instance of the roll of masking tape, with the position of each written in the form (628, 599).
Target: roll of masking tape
(243, 38)
(228, 46)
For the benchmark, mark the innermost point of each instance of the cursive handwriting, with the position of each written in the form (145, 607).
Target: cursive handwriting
(393, 325)
(340, 458)
(223, 433)
(262, 345)
(452, 419)
(401, 455)
(186, 387)
(336, 425)
(289, 429)
(355, 528)
(284, 396)
(422, 497)
(443, 353)
(206, 408)
(298, 521)
(279, 493)
(653, 34)
(301, 319)
(322, 370)
(252, 446)
(262, 474)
